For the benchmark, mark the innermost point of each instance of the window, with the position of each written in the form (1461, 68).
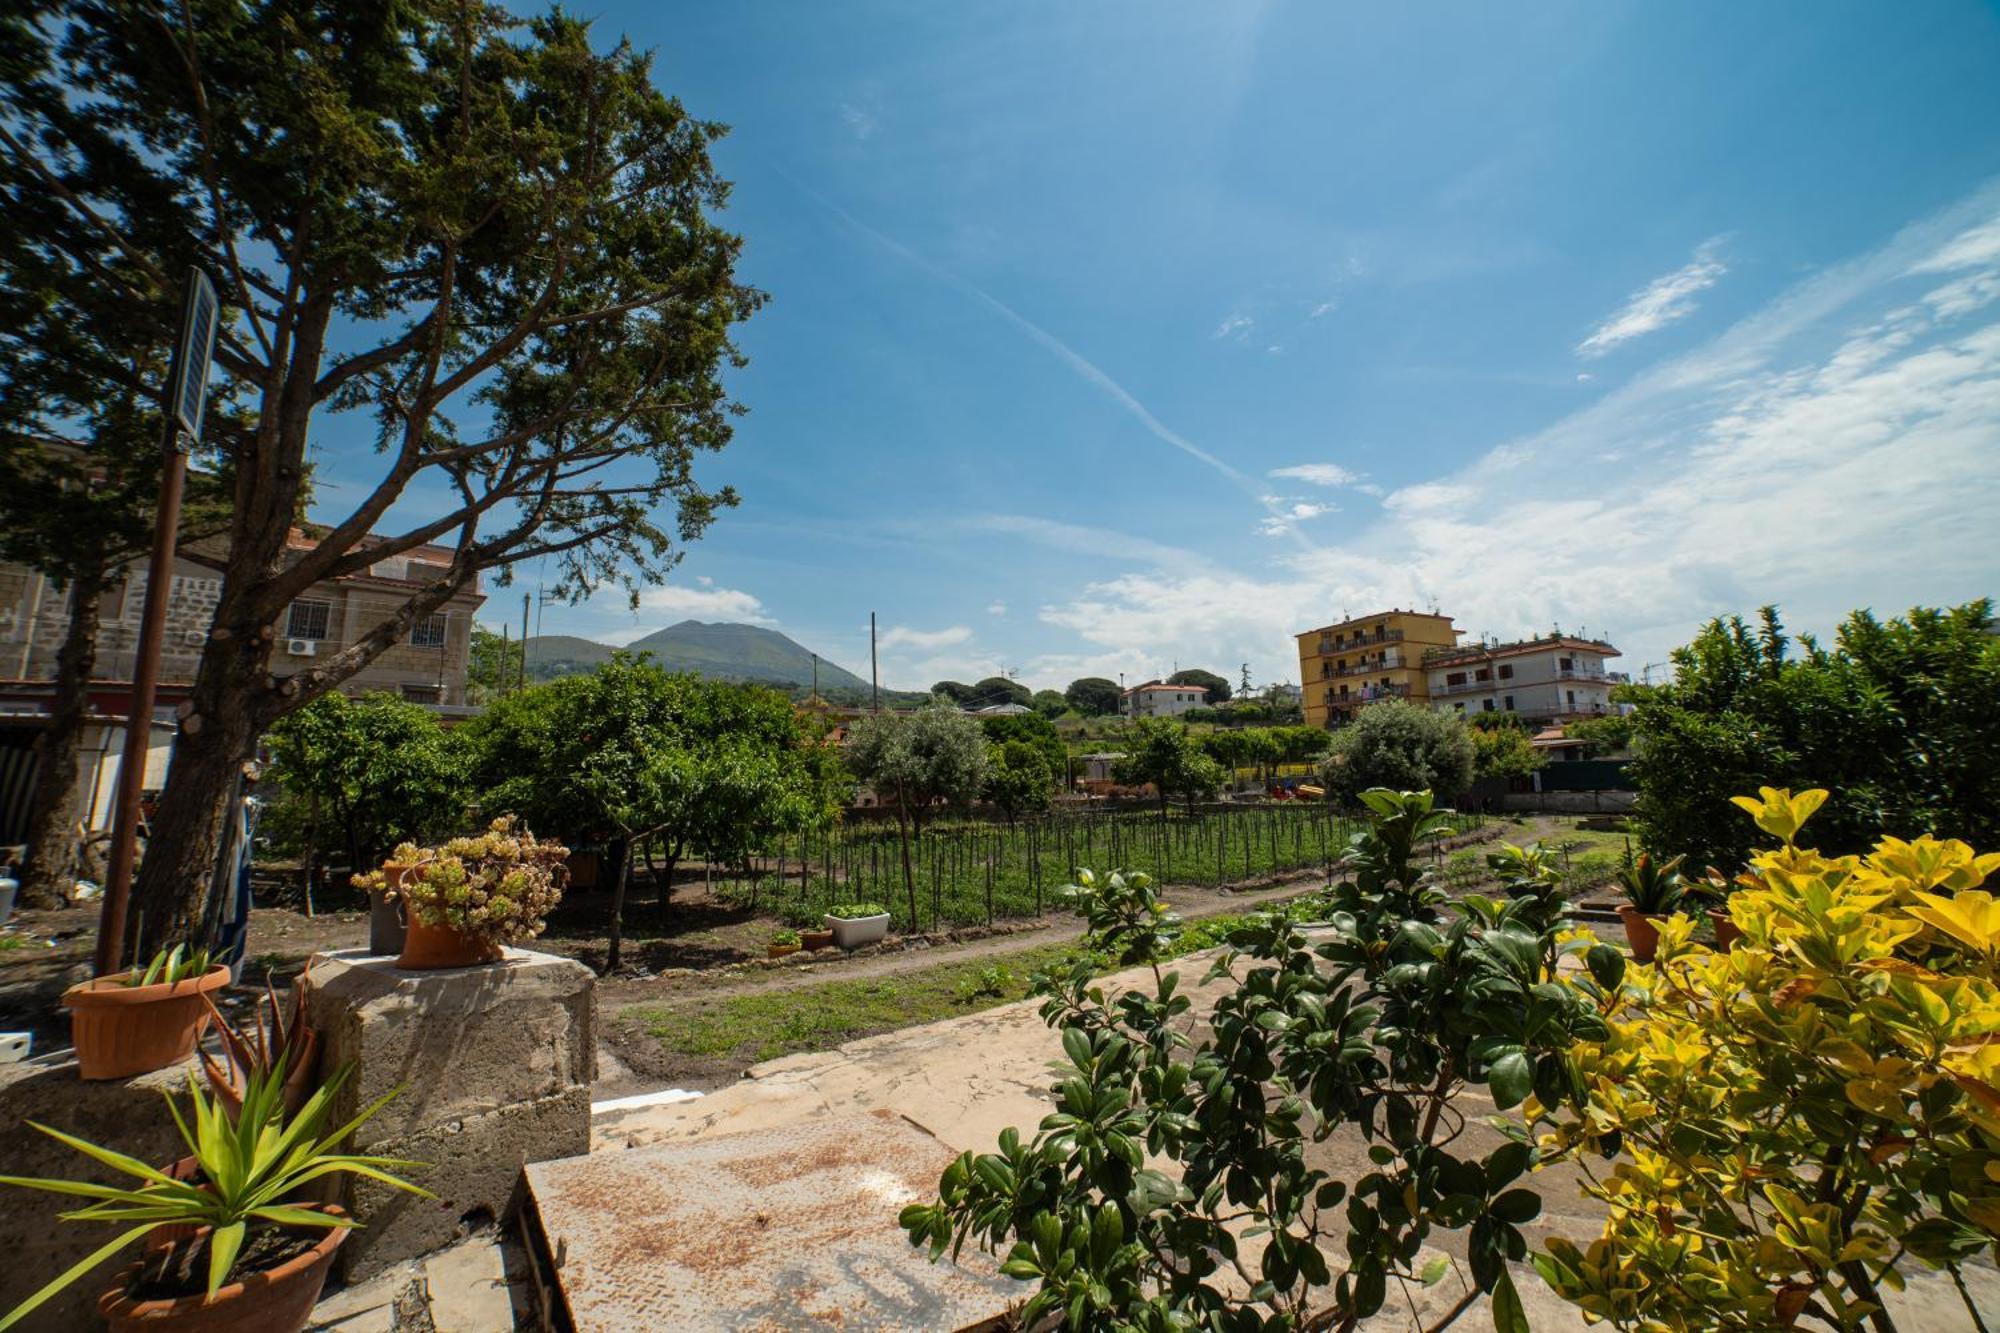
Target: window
(308, 620)
(1455, 678)
(428, 632)
(1486, 704)
(423, 694)
(1510, 703)
(1482, 674)
(1506, 673)
(1564, 662)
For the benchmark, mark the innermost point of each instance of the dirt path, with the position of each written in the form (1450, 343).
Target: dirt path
(1192, 902)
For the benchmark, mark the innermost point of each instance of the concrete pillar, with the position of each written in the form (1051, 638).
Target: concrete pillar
(495, 1065)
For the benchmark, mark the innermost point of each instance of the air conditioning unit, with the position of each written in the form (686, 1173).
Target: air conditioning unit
(302, 647)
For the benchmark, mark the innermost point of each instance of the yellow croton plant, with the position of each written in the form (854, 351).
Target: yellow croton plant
(1781, 1130)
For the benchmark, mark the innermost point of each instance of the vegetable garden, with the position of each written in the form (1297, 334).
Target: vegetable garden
(967, 873)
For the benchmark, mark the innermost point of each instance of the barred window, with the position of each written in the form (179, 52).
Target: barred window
(428, 632)
(308, 619)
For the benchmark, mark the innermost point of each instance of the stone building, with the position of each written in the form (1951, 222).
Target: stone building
(428, 668)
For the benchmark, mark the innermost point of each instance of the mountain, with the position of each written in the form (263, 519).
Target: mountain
(730, 652)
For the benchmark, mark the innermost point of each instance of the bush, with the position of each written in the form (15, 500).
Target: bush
(1403, 747)
(1897, 719)
(1790, 1117)
(855, 911)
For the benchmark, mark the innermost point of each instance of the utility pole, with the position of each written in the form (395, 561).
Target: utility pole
(815, 675)
(500, 668)
(524, 641)
(874, 669)
(180, 432)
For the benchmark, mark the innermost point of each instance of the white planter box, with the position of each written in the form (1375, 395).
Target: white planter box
(853, 932)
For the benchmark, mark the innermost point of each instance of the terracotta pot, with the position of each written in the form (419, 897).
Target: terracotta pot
(780, 950)
(815, 939)
(277, 1300)
(160, 1238)
(1727, 932)
(1642, 932)
(385, 914)
(121, 1030)
(428, 947)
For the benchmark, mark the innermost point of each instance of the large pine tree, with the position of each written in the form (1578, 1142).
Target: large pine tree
(481, 236)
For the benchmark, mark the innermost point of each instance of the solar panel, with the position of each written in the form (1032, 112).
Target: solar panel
(188, 392)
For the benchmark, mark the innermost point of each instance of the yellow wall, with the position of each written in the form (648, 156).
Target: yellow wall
(1372, 657)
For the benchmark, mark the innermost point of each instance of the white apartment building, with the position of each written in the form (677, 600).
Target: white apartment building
(1538, 679)
(1156, 700)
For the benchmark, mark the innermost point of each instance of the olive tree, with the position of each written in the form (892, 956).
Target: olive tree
(915, 760)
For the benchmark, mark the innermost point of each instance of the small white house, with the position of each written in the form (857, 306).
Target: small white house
(1156, 700)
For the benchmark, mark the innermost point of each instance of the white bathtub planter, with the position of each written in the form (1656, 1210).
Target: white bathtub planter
(856, 924)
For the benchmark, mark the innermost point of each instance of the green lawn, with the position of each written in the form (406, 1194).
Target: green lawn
(766, 1024)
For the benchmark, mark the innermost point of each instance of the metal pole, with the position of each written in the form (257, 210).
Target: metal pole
(524, 641)
(139, 713)
(874, 673)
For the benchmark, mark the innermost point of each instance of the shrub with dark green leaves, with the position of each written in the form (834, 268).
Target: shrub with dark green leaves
(1410, 1001)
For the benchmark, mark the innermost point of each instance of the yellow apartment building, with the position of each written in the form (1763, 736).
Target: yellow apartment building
(1356, 662)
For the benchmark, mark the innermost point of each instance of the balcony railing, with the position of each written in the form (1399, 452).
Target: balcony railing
(1392, 662)
(1342, 645)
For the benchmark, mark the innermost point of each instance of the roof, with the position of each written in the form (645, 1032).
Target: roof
(1140, 689)
(1480, 652)
(1552, 738)
(1374, 615)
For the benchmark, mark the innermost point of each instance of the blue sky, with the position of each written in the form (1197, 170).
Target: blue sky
(1108, 337)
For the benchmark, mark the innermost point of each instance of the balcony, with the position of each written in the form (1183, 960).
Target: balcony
(1344, 645)
(1390, 662)
(1471, 687)
(1595, 674)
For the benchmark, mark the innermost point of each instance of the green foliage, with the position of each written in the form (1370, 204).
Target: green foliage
(1652, 886)
(1411, 1001)
(1503, 752)
(495, 666)
(1164, 755)
(785, 939)
(249, 1166)
(1093, 696)
(1401, 746)
(1608, 735)
(1897, 719)
(856, 911)
(499, 885)
(929, 756)
(957, 692)
(1051, 704)
(1018, 779)
(1030, 729)
(998, 690)
(380, 769)
(170, 967)
(1215, 689)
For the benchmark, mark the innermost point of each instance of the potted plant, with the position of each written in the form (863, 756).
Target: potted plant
(782, 943)
(813, 939)
(274, 1042)
(386, 925)
(1653, 890)
(468, 899)
(856, 924)
(144, 1019)
(246, 1256)
(1713, 889)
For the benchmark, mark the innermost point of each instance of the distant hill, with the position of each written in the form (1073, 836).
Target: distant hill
(726, 651)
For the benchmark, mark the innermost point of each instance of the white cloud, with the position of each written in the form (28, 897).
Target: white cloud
(927, 640)
(1234, 326)
(1323, 308)
(1318, 474)
(1835, 450)
(1659, 303)
(1280, 523)
(704, 602)
(996, 608)
(861, 122)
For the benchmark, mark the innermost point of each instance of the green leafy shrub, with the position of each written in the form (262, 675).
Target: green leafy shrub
(1412, 1000)
(855, 911)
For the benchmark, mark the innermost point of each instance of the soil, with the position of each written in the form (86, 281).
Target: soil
(183, 1269)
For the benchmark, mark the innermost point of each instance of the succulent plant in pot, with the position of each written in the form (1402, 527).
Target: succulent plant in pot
(245, 1255)
(1653, 891)
(144, 1019)
(782, 943)
(471, 896)
(274, 1041)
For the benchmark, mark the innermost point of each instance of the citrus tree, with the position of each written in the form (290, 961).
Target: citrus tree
(1170, 1187)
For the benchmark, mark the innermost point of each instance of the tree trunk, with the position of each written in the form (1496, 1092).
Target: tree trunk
(231, 705)
(622, 849)
(57, 810)
(665, 882)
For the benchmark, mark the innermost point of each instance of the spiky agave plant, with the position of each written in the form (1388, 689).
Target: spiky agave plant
(249, 1165)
